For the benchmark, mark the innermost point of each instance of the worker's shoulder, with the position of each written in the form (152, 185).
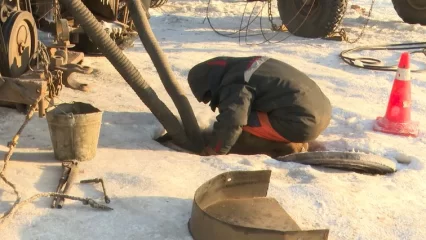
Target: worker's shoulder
(277, 66)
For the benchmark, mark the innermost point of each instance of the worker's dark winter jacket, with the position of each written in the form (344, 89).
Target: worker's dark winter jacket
(239, 87)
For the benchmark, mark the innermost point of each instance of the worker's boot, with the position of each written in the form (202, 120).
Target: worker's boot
(248, 144)
(289, 148)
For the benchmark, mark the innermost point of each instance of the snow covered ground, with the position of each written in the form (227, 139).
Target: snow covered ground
(151, 187)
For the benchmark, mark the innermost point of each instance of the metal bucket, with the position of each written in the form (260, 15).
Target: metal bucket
(74, 130)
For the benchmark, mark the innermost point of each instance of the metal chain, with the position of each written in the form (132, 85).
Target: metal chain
(41, 56)
(54, 78)
(57, 11)
(274, 27)
(45, 60)
(342, 32)
(56, 83)
(18, 204)
(86, 201)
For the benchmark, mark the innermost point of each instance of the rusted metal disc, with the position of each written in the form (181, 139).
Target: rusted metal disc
(62, 30)
(20, 34)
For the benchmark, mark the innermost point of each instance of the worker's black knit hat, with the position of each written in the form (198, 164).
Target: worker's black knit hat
(198, 80)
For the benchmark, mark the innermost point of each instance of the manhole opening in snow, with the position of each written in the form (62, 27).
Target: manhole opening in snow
(167, 141)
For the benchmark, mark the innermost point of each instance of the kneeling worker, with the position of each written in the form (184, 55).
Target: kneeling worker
(265, 106)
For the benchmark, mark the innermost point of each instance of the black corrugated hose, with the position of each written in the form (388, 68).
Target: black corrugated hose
(147, 37)
(127, 70)
(157, 3)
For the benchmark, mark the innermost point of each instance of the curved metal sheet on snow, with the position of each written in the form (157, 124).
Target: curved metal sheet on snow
(361, 162)
(234, 206)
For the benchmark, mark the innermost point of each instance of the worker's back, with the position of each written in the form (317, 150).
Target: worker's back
(282, 90)
(249, 89)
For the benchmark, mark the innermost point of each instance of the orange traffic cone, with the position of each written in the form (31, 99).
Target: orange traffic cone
(398, 113)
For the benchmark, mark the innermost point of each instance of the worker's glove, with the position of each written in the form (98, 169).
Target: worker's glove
(208, 151)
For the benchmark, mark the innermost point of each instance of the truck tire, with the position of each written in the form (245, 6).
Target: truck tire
(315, 19)
(411, 11)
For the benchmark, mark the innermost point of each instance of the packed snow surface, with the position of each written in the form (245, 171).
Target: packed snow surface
(151, 187)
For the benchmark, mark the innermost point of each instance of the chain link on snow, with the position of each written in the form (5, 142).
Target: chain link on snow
(342, 32)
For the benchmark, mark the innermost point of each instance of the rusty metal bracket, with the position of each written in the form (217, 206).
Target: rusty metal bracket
(68, 62)
(69, 174)
(70, 67)
(24, 90)
(234, 206)
(99, 180)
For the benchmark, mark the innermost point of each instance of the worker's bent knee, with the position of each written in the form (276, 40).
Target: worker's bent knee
(299, 131)
(304, 135)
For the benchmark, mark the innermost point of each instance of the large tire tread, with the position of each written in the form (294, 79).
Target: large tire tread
(318, 25)
(409, 14)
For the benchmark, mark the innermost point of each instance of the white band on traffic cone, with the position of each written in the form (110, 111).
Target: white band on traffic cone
(403, 74)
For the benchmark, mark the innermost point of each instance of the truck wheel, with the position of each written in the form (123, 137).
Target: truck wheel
(311, 18)
(411, 11)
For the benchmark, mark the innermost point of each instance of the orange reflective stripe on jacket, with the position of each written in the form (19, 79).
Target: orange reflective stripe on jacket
(265, 130)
